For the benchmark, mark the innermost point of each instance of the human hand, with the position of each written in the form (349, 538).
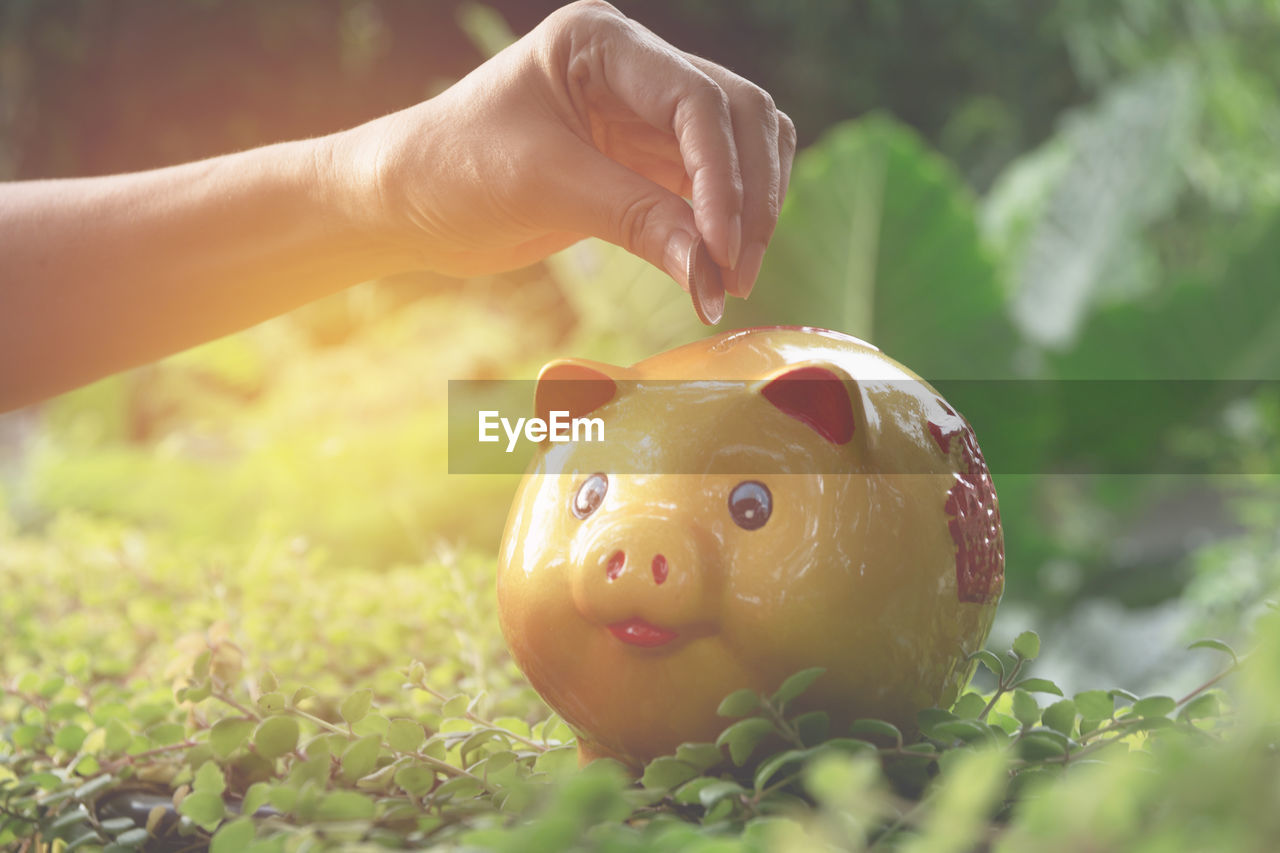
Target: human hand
(590, 125)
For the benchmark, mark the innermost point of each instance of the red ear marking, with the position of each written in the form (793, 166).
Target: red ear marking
(816, 397)
(573, 387)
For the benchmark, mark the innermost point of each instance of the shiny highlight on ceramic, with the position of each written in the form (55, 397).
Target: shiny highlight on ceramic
(635, 620)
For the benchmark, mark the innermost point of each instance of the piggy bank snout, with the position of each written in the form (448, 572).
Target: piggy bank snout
(655, 567)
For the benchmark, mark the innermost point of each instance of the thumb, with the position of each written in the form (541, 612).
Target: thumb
(607, 200)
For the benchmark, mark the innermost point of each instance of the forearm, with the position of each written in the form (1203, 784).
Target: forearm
(101, 274)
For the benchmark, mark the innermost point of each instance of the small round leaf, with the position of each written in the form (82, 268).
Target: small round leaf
(1027, 645)
(739, 703)
(276, 736)
(355, 706)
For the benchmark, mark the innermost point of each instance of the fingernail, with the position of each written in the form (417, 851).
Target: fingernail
(752, 257)
(676, 256)
(735, 240)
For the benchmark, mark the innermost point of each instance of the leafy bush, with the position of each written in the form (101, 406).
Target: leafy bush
(98, 751)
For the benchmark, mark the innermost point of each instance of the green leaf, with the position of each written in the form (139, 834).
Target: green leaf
(275, 737)
(702, 756)
(361, 757)
(415, 779)
(497, 762)
(130, 839)
(164, 734)
(417, 672)
(1025, 708)
(456, 706)
(1004, 722)
(459, 788)
(691, 792)
(852, 746)
(70, 817)
(1027, 645)
(196, 692)
(927, 718)
(355, 706)
(380, 779)
(271, 703)
(1095, 704)
(25, 736)
(711, 794)
(70, 737)
(969, 706)
(268, 683)
(812, 727)
(1205, 705)
(873, 220)
(229, 734)
(743, 736)
(1153, 706)
(118, 736)
(209, 778)
(302, 694)
(43, 781)
(1041, 745)
(876, 729)
(63, 711)
(1061, 716)
(796, 685)
(968, 731)
(204, 808)
(477, 740)
(991, 661)
(739, 703)
(255, 798)
(200, 667)
(1039, 685)
(406, 735)
(1219, 645)
(344, 805)
(770, 767)
(93, 786)
(666, 773)
(233, 837)
(116, 825)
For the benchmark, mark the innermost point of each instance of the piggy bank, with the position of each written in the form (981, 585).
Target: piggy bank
(762, 501)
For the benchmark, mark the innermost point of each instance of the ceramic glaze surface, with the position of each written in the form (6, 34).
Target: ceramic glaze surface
(635, 602)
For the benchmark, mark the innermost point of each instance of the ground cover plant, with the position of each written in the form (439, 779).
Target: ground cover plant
(449, 748)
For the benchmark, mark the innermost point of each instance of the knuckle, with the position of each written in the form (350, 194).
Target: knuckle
(772, 206)
(580, 23)
(590, 14)
(786, 130)
(633, 221)
(758, 100)
(708, 96)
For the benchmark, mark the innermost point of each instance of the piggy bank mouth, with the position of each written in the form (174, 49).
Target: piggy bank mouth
(639, 632)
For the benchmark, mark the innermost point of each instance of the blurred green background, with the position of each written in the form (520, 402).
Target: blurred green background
(1030, 192)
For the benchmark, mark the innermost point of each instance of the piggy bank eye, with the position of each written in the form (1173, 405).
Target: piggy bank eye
(590, 495)
(750, 504)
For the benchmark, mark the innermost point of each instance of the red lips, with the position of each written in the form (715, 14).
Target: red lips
(638, 632)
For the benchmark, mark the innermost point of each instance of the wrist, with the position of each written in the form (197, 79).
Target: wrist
(350, 196)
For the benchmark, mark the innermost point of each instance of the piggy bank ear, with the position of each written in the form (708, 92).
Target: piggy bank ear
(573, 385)
(817, 395)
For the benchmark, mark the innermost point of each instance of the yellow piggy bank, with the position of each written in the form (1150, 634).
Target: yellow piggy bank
(762, 501)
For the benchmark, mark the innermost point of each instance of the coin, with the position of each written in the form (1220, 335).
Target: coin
(705, 287)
